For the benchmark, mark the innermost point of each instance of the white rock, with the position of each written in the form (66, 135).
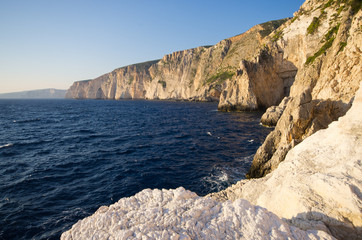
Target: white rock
(181, 214)
(318, 186)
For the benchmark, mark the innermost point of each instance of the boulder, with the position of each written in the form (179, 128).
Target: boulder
(273, 113)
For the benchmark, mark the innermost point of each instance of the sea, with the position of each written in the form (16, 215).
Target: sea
(60, 160)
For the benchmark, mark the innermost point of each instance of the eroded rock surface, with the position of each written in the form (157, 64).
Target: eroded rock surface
(329, 72)
(318, 185)
(180, 214)
(301, 118)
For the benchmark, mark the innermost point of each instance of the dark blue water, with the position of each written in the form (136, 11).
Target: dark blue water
(62, 159)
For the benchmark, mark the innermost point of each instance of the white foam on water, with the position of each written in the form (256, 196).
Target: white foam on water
(6, 145)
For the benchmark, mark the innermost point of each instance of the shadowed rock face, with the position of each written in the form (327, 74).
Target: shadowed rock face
(259, 83)
(301, 118)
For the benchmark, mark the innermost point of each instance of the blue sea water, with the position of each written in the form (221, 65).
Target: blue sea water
(62, 159)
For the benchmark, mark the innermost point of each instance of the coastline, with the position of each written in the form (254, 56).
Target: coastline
(298, 207)
(308, 170)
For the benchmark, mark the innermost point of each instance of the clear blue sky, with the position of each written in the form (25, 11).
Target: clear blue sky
(52, 43)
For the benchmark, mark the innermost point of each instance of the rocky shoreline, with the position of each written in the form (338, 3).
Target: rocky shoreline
(308, 172)
(318, 184)
(314, 194)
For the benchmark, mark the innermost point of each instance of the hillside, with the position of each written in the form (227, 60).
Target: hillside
(36, 94)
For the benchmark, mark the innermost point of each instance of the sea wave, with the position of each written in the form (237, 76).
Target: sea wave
(27, 120)
(222, 176)
(6, 145)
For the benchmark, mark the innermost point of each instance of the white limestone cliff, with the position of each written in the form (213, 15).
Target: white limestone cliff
(196, 74)
(323, 41)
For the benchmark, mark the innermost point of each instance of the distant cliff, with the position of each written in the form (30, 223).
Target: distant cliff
(197, 74)
(37, 94)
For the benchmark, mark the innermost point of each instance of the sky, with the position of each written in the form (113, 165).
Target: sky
(52, 43)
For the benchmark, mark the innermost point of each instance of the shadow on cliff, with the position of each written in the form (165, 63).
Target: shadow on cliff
(302, 117)
(320, 221)
(259, 83)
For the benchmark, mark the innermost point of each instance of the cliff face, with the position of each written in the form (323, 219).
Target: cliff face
(194, 74)
(122, 83)
(259, 83)
(318, 186)
(323, 41)
(314, 59)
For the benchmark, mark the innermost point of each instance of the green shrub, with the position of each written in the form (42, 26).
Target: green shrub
(328, 4)
(331, 32)
(130, 79)
(193, 72)
(278, 34)
(342, 45)
(313, 26)
(220, 77)
(294, 18)
(163, 83)
(321, 51)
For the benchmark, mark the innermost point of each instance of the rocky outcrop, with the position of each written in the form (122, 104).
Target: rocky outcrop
(302, 117)
(123, 83)
(316, 191)
(259, 83)
(318, 185)
(181, 214)
(197, 74)
(273, 113)
(323, 41)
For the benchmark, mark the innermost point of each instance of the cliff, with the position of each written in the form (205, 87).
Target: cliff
(194, 74)
(314, 194)
(310, 178)
(323, 41)
(318, 185)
